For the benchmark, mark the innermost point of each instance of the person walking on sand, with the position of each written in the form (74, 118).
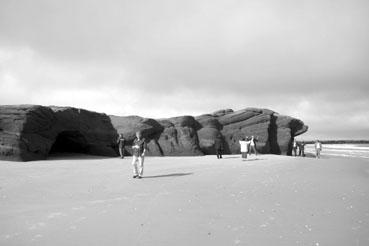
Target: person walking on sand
(121, 144)
(294, 147)
(139, 149)
(301, 149)
(218, 146)
(243, 145)
(318, 148)
(252, 145)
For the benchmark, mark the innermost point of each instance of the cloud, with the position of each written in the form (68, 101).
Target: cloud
(162, 58)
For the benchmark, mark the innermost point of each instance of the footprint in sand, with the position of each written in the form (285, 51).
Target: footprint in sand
(80, 219)
(264, 225)
(77, 221)
(9, 236)
(120, 198)
(73, 227)
(35, 237)
(56, 215)
(237, 241)
(97, 201)
(37, 226)
(308, 228)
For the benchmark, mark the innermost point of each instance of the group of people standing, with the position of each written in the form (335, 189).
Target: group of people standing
(298, 148)
(248, 145)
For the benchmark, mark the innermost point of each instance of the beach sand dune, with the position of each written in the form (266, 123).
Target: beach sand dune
(268, 200)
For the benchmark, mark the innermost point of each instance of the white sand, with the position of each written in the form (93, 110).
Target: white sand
(274, 200)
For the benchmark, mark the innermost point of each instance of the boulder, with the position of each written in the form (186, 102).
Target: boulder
(171, 137)
(179, 136)
(207, 136)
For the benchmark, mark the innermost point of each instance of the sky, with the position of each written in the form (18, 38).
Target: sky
(307, 59)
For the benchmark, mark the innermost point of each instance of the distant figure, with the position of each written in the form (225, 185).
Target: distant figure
(243, 144)
(318, 148)
(252, 145)
(294, 147)
(301, 148)
(139, 149)
(121, 144)
(218, 146)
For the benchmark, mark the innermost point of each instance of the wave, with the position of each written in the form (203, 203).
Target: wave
(348, 155)
(346, 150)
(342, 146)
(342, 150)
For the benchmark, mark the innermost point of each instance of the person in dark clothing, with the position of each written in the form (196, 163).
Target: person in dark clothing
(218, 145)
(121, 144)
(302, 149)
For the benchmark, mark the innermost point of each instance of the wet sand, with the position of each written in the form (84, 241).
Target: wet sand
(268, 200)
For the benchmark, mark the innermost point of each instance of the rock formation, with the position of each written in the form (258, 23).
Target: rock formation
(173, 136)
(30, 132)
(274, 132)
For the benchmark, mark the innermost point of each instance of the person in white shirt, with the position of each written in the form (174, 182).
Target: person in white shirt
(318, 148)
(294, 147)
(243, 145)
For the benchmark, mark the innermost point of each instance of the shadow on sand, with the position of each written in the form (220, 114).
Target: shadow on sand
(76, 156)
(256, 159)
(231, 157)
(307, 155)
(168, 175)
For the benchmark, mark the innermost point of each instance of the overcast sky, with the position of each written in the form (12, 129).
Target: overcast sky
(308, 59)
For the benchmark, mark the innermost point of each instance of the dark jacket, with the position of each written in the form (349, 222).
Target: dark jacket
(121, 142)
(138, 146)
(218, 144)
(301, 145)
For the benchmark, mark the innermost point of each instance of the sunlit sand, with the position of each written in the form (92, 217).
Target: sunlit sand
(266, 200)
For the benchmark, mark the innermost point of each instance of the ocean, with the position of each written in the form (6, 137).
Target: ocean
(342, 150)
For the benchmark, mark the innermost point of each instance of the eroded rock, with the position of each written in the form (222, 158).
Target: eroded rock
(31, 132)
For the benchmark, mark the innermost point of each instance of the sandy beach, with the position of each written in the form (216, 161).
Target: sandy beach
(268, 200)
